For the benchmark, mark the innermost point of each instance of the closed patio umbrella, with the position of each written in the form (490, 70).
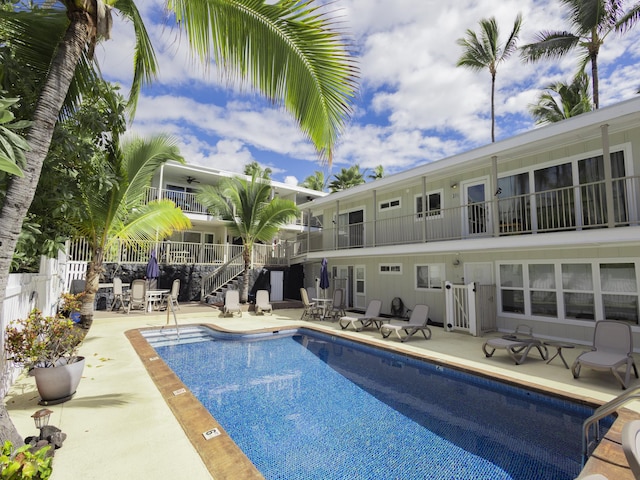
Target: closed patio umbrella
(324, 276)
(153, 271)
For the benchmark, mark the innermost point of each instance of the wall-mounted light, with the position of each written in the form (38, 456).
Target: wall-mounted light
(454, 185)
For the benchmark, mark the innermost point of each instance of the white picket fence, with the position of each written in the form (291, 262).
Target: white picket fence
(470, 308)
(26, 291)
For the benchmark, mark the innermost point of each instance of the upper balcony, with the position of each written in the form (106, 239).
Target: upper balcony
(574, 208)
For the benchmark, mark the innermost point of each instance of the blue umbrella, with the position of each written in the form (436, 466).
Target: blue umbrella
(153, 271)
(324, 275)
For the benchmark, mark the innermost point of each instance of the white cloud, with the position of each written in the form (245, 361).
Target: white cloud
(418, 105)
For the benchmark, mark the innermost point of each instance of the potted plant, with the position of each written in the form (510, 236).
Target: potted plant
(47, 346)
(70, 304)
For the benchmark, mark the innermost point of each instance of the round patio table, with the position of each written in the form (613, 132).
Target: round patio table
(559, 346)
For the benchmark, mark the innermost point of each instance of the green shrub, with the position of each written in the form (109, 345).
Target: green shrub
(25, 464)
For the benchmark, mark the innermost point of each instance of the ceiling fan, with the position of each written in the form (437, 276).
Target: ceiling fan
(191, 180)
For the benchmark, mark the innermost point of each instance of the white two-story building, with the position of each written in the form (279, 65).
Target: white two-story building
(545, 225)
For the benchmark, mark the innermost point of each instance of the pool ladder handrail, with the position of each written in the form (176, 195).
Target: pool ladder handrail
(601, 412)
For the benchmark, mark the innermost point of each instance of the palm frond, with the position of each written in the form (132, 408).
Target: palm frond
(289, 51)
(145, 63)
(549, 45)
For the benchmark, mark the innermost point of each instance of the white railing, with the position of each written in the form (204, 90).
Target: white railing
(570, 208)
(470, 308)
(222, 275)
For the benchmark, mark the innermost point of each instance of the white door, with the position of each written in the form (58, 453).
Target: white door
(477, 210)
(277, 285)
(481, 273)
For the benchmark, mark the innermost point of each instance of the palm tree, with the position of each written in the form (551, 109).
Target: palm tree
(120, 213)
(347, 178)
(317, 181)
(287, 50)
(378, 172)
(486, 52)
(591, 21)
(251, 212)
(254, 167)
(561, 101)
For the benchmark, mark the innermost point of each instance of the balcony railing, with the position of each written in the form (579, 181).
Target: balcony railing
(571, 208)
(176, 253)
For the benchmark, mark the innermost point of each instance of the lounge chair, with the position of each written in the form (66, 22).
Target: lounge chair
(118, 294)
(262, 302)
(338, 306)
(138, 295)
(371, 317)
(631, 445)
(417, 323)
(310, 309)
(518, 344)
(171, 298)
(232, 303)
(612, 348)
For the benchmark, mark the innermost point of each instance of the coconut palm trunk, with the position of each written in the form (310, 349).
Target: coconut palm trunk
(246, 256)
(22, 190)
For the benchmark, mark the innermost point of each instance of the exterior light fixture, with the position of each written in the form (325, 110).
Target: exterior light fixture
(454, 186)
(41, 417)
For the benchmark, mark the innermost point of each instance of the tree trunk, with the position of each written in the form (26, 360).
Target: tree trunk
(493, 108)
(246, 256)
(21, 190)
(594, 80)
(94, 270)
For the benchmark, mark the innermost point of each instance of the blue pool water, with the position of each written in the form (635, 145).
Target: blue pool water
(304, 405)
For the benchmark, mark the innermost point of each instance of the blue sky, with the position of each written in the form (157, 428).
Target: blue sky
(414, 106)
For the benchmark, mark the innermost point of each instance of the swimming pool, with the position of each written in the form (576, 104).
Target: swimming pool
(337, 409)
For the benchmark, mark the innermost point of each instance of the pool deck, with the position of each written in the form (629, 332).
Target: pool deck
(129, 418)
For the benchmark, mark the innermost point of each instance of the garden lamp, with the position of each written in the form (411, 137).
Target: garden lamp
(41, 418)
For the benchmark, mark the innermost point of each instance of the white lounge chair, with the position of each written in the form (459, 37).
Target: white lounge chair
(118, 294)
(138, 295)
(612, 349)
(311, 310)
(417, 323)
(338, 306)
(517, 345)
(262, 302)
(171, 298)
(371, 317)
(631, 445)
(232, 303)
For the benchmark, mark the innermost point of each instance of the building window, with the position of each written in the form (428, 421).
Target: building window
(429, 277)
(577, 290)
(434, 205)
(389, 204)
(390, 268)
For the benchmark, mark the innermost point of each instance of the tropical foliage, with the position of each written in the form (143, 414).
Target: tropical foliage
(42, 341)
(560, 101)
(486, 52)
(12, 145)
(378, 172)
(346, 178)
(591, 22)
(317, 181)
(254, 168)
(108, 214)
(250, 211)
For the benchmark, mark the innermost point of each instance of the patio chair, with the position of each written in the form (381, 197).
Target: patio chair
(417, 323)
(337, 308)
(371, 317)
(138, 295)
(171, 298)
(631, 445)
(119, 294)
(310, 308)
(262, 302)
(517, 345)
(612, 348)
(232, 302)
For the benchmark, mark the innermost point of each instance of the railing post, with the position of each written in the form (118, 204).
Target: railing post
(608, 181)
(495, 210)
(375, 216)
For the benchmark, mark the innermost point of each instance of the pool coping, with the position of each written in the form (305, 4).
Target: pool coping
(225, 460)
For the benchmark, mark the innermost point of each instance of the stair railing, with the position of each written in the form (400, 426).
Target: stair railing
(221, 276)
(588, 445)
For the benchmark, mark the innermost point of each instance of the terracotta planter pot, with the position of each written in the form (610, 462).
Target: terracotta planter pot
(58, 384)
